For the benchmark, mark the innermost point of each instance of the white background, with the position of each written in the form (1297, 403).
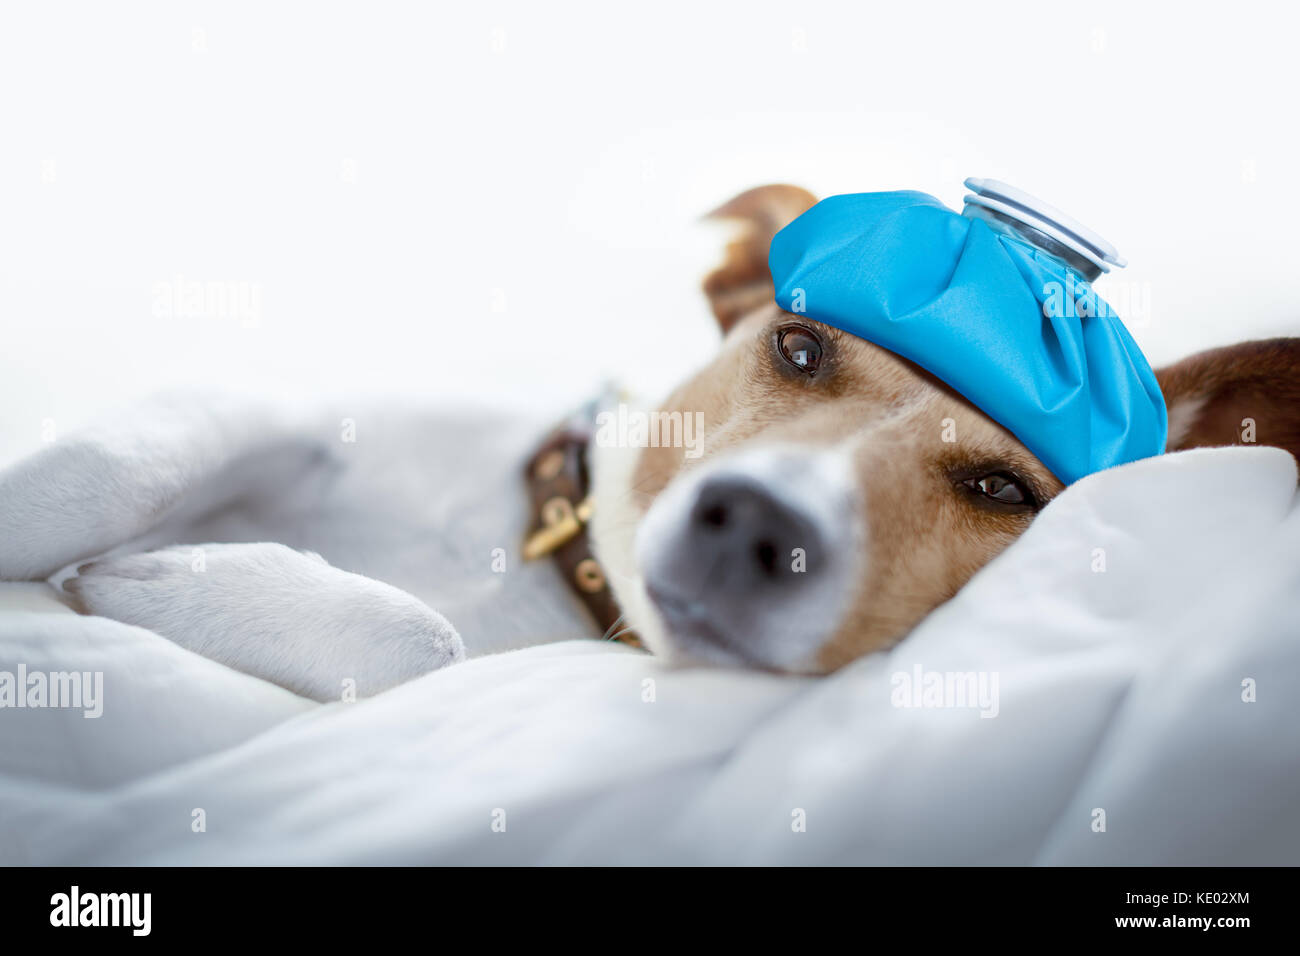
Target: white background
(499, 201)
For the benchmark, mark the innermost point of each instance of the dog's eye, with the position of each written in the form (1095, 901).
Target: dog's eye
(801, 348)
(1001, 487)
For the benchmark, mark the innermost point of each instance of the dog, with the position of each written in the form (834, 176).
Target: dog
(839, 495)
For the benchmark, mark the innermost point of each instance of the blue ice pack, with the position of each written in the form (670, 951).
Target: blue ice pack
(997, 303)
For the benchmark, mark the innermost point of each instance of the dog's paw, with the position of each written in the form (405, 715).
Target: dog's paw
(73, 499)
(282, 615)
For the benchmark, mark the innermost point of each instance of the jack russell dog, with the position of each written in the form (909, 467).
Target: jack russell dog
(819, 519)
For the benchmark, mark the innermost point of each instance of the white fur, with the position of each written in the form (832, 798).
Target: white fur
(1183, 414)
(279, 614)
(614, 521)
(174, 455)
(193, 468)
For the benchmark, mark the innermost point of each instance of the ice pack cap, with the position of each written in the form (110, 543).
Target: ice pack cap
(997, 303)
(1042, 225)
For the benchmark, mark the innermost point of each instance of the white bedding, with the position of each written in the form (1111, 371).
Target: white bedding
(1119, 690)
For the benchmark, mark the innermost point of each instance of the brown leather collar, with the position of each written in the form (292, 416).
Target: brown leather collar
(559, 494)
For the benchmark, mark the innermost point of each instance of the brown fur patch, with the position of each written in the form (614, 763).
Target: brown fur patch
(1211, 394)
(742, 282)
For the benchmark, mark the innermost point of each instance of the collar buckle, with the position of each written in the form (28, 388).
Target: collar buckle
(561, 523)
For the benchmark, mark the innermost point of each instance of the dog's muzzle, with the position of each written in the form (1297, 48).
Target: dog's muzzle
(750, 561)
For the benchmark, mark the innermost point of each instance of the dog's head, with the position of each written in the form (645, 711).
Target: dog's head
(843, 493)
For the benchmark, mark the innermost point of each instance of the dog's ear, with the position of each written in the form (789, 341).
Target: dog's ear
(1238, 395)
(742, 282)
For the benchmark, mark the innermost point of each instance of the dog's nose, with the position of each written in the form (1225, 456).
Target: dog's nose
(744, 536)
(750, 560)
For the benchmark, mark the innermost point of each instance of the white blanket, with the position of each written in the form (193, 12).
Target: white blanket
(1144, 636)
